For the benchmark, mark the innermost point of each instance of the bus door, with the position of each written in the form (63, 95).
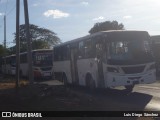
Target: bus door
(100, 56)
(74, 70)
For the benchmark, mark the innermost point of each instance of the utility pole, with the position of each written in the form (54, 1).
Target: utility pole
(29, 42)
(5, 72)
(5, 31)
(17, 43)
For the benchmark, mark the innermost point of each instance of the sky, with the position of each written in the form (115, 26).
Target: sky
(71, 19)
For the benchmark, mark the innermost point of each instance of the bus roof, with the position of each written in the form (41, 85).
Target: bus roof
(98, 33)
(37, 50)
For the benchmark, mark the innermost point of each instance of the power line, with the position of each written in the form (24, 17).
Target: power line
(0, 1)
(10, 11)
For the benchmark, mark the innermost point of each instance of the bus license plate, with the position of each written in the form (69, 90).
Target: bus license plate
(47, 74)
(135, 82)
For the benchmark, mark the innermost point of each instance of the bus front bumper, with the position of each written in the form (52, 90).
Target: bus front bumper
(114, 80)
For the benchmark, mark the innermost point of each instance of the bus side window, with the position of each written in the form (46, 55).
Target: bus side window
(7, 60)
(81, 50)
(23, 58)
(3, 61)
(65, 52)
(55, 53)
(99, 45)
(60, 53)
(88, 49)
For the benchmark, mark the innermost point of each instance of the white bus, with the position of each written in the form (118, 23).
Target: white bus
(9, 64)
(106, 59)
(42, 64)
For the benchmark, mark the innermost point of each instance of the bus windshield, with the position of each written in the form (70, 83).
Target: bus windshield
(43, 59)
(130, 51)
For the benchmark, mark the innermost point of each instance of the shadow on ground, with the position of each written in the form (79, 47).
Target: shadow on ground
(41, 97)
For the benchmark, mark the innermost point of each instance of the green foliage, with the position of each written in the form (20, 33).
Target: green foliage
(3, 51)
(12, 50)
(41, 38)
(107, 25)
(39, 44)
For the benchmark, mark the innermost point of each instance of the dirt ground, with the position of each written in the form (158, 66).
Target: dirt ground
(41, 97)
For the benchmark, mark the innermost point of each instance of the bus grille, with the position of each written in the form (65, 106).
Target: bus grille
(132, 70)
(46, 68)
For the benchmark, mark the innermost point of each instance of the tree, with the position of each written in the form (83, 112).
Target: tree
(3, 51)
(41, 37)
(107, 25)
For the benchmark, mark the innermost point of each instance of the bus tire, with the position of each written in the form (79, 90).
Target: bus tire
(129, 88)
(90, 83)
